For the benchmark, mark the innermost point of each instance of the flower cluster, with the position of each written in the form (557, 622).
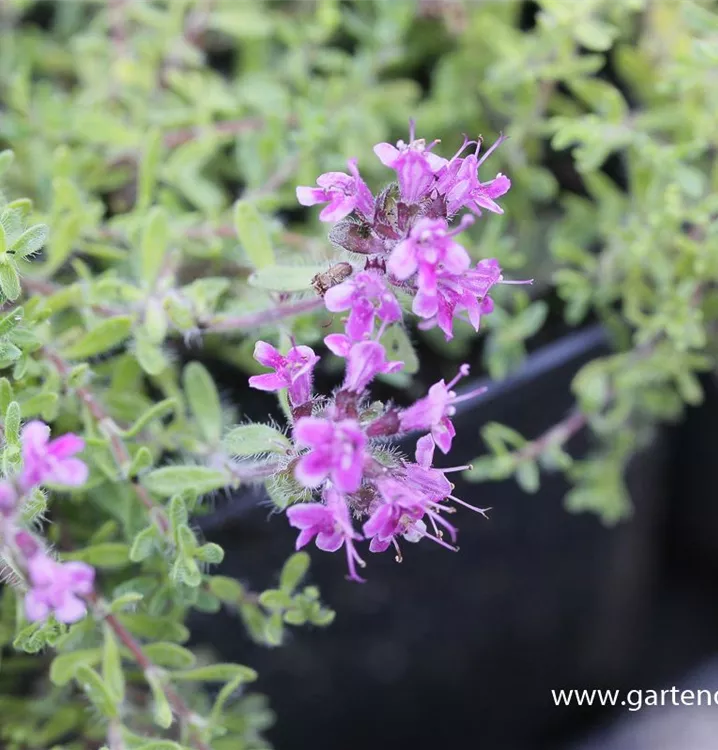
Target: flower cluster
(362, 490)
(339, 452)
(53, 587)
(406, 236)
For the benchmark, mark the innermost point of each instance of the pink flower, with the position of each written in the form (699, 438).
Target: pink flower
(459, 183)
(8, 499)
(366, 296)
(455, 293)
(414, 164)
(365, 360)
(397, 513)
(429, 249)
(57, 587)
(46, 460)
(391, 156)
(344, 193)
(336, 451)
(293, 372)
(422, 477)
(433, 412)
(330, 523)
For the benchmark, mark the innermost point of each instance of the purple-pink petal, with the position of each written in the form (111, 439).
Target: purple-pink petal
(270, 381)
(312, 469)
(267, 355)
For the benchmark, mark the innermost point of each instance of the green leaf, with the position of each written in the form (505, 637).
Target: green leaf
(251, 439)
(170, 480)
(107, 555)
(253, 234)
(148, 170)
(210, 553)
(30, 241)
(161, 710)
(170, 655)
(141, 462)
(216, 673)
(399, 348)
(178, 516)
(527, 476)
(104, 336)
(64, 666)
(153, 627)
(215, 717)
(274, 599)
(38, 404)
(159, 410)
(293, 571)
(153, 246)
(125, 601)
(144, 543)
(11, 320)
(286, 278)
(6, 159)
(226, 589)
(97, 691)
(150, 356)
(112, 673)
(9, 279)
(3, 241)
(185, 570)
(203, 400)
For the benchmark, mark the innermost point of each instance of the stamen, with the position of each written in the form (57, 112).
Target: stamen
(470, 395)
(495, 145)
(452, 469)
(412, 129)
(483, 511)
(441, 542)
(399, 558)
(516, 282)
(466, 221)
(462, 373)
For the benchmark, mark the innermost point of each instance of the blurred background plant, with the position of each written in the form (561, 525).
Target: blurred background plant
(161, 143)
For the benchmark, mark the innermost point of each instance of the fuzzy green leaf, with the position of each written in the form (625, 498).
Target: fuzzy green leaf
(30, 241)
(170, 655)
(148, 170)
(161, 711)
(112, 673)
(126, 601)
(104, 336)
(97, 691)
(153, 627)
(293, 571)
(64, 666)
(157, 411)
(9, 279)
(155, 239)
(170, 480)
(203, 400)
(210, 553)
(253, 234)
(216, 673)
(251, 439)
(144, 543)
(226, 589)
(107, 555)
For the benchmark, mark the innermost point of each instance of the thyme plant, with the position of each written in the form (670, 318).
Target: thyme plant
(160, 165)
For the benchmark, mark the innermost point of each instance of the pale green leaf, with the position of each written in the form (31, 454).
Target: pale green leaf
(104, 336)
(251, 439)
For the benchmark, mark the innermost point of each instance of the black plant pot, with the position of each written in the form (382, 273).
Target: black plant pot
(460, 649)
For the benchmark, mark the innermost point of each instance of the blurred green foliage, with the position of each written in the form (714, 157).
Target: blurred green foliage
(160, 141)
